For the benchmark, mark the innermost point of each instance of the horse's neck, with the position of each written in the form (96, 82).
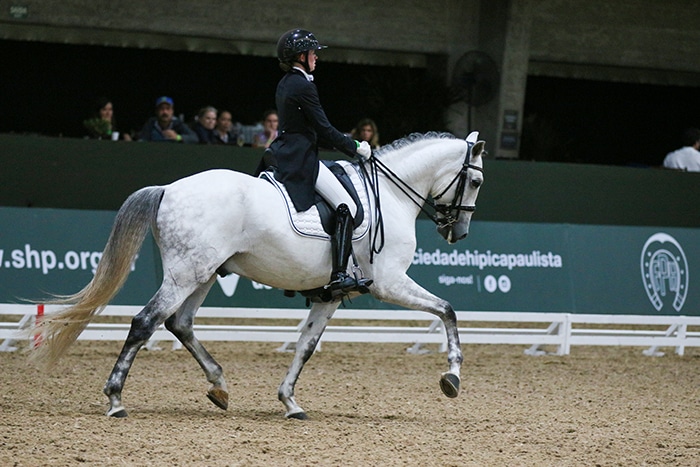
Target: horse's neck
(420, 167)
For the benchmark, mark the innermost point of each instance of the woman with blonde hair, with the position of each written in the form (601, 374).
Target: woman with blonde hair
(366, 130)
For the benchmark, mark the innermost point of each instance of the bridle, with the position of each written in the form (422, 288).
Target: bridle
(450, 212)
(444, 214)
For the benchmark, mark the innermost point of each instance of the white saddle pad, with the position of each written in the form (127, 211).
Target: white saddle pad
(308, 223)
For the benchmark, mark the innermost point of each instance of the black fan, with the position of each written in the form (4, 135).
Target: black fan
(474, 81)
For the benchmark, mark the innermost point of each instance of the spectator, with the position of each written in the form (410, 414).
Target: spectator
(165, 126)
(102, 124)
(366, 130)
(204, 125)
(269, 133)
(686, 158)
(223, 132)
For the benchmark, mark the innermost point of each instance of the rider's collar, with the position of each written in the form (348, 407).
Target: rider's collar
(307, 75)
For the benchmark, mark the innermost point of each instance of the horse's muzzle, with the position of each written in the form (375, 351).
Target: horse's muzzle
(453, 232)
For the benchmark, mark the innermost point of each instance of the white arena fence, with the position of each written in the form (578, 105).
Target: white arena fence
(542, 332)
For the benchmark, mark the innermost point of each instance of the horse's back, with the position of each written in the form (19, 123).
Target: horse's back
(213, 185)
(212, 179)
(208, 198)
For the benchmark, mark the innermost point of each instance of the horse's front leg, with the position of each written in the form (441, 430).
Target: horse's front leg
(407, 293)
(316, 323)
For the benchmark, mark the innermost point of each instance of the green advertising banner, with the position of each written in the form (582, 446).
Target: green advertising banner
(47, 252)
(635, 270)
(587, 269)
(501, 266)
(498, 267)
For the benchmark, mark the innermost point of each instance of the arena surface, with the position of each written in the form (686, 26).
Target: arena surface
(369, 404)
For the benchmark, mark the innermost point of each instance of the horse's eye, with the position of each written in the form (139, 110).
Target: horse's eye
(476, 183)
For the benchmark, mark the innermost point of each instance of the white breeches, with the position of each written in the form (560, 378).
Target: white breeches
(331, 189)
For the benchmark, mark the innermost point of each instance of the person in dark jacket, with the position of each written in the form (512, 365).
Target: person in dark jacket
(165, 126)
(224, 132)
(302, 121)
(205, 124)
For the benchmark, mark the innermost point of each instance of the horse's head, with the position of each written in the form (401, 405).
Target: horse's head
(453, 217)
(441, 167)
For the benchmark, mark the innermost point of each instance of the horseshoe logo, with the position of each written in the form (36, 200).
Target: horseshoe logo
(664, 271)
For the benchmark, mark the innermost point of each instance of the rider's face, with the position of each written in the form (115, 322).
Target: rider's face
(311, 57)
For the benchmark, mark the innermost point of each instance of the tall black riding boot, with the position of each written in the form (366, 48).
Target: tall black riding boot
(341, 247)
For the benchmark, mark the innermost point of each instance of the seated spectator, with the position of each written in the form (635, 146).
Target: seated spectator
(366, 130)
(102, 124)
(204, 125)
(165, 126)
(688, 157)
(223, 132)
(269, 133)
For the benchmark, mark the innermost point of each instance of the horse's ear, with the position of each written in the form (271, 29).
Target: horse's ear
(473, 136)
(478, 149)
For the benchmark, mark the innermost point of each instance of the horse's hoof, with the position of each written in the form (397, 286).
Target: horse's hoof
(449, 384)
(121, 413)
(298, 416)
(219, 398)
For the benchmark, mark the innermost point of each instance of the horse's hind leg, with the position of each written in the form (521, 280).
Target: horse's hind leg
(143, 325)
(180, 324)
(315, 325)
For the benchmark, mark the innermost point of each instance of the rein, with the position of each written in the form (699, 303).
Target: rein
(449, 212)
(372, 178)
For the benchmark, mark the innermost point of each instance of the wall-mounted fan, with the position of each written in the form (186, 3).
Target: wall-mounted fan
(474, 81)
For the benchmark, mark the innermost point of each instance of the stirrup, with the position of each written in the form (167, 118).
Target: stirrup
(342, 282)
(345, 284)
(327, 294)
(363, 285)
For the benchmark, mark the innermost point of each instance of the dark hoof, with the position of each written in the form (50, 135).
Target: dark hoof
(219, 398)
(449, 384)
(119, 414)
(299, 416)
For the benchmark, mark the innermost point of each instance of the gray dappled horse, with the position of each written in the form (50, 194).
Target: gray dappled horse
(222, 220)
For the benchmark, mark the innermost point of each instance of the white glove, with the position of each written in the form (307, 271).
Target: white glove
(363, 150)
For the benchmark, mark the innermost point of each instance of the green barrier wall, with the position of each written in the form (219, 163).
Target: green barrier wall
(51, 251)
(85, 174)
(501, 266)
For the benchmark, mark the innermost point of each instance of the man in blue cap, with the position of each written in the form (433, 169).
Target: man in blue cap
(165, 126)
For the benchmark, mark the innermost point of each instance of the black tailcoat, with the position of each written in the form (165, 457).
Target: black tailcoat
(302, 122)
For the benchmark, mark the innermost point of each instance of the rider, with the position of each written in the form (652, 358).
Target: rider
(302, 122)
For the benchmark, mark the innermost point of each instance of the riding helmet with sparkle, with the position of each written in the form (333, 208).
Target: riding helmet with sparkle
(295, 42)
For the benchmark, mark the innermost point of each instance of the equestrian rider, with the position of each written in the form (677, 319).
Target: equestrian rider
(302, 122)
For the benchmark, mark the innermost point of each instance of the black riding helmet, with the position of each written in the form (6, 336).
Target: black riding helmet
(295, 42)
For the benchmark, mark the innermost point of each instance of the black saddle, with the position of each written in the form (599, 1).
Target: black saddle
(325, 210)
